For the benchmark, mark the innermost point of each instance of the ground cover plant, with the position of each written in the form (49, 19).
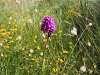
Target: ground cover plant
(49, 37)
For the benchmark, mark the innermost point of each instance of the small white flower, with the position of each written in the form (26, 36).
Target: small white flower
(90, 24)
(2, 55)
(17, 1)
(31, 50)
(30, 20)
(30, 55)
(23, 49)
(83, 68)
(36, 10)
(89, 44)
(47, 45)
(40, 23)
(74, 31)
(90, 71)
(1, 43)
(43, 35)
(41, 53)
(19, 38)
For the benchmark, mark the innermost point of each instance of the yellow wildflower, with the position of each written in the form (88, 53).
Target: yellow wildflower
(95, 66)
(14, 20)
(59, 31)
(11, 41)
(38, 47)
(13, 23)
(9, 37)
(1, 39)
(6, 46)
(55, 70)
(71, 10)
(2, 30)
(34, 41)
(65, 52)
(33, 59)
(24, 24)
(44, 40)
(35, 37)
(5, 33)
(10, 18)
(60, 60)
(53, 34)
(14, 29)
(70, 43)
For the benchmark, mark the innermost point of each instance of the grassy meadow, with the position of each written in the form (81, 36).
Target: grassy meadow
(72, 49)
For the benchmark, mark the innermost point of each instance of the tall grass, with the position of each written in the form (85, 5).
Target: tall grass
(24, 51)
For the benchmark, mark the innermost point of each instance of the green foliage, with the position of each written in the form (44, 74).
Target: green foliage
(24, 51)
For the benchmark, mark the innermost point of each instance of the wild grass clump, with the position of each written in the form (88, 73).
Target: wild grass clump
(72, 47)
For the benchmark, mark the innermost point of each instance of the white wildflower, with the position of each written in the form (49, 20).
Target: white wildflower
(31, 50)
(2, 55)
(74, 31)
(30, 55)
(90, 71)
(19, 38)
(89, 44)
(90, 24)
(1, 43)
(47, 45)
(43, 35)
(30, 20)
(41, 53)
(23, 49)
(83, 68)
(36, 10)
(17, 1)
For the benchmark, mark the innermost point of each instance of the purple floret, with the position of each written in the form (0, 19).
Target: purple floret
(48, 24)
